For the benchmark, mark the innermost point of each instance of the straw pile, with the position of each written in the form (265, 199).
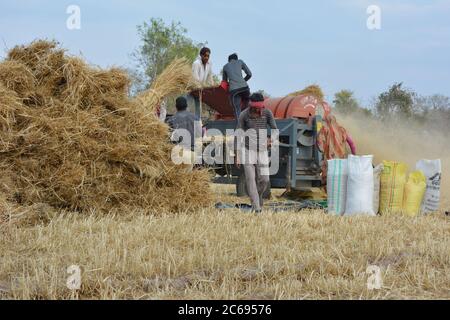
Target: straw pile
(71, 137)
(313, 90)
(176, 78)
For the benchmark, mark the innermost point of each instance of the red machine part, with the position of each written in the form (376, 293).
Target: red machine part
(303, 106)
(293, 107)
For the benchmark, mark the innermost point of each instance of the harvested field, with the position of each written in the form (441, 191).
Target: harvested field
(86, 179)
(226, 255)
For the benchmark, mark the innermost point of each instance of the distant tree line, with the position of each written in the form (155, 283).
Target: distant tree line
(161, 43)
(399, 103)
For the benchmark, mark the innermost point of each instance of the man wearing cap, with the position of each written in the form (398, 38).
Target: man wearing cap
(253, 152)
(238, 87)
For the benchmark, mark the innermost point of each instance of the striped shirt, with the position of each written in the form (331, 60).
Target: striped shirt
(248, 121)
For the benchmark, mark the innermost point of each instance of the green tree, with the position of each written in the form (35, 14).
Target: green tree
(396, 102)
(345, 103)
(161, 44)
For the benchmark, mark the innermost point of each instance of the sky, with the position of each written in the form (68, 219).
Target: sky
(288, 44)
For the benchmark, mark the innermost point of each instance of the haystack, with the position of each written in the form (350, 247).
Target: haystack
(73, 139)
(312, 90)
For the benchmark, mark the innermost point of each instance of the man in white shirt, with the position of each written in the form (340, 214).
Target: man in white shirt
(203, 76)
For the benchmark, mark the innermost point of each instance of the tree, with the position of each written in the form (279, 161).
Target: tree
(345, 103)
(434, 111)
(161, 44)
(396, 102)
(437, 102)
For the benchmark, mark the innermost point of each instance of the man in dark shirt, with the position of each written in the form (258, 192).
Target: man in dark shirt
(186, 120)
(253, 123)
(239, 90)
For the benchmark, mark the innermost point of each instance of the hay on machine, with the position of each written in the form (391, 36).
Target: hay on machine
(312, 90)
(72, 137)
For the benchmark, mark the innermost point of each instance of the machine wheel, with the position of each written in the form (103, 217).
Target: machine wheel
(241, 188)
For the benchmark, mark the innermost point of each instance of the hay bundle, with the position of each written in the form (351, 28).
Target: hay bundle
(85, 87)
(175, 79)
(313, 90)
(45, 60)
(16, 77)
(10, 103)
(75, 140)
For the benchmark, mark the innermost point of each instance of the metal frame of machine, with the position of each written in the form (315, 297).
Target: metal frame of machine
(299, 156)
(299, 123)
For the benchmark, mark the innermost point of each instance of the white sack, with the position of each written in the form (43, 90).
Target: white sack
(433, 171)
(360, 186)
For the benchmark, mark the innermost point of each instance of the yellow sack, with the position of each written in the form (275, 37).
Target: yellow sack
(414, 193)
(393, 180)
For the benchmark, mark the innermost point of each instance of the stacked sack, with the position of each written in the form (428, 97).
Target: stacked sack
(337, 178)
(356, 187)
(414, 192)
(351, 185)
(432, 169)
(360, 186)
(393, 181)
(410, 195)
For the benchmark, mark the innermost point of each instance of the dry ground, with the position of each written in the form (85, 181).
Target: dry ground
(226, 255)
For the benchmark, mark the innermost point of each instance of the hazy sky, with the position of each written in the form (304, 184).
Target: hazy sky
(287, 44)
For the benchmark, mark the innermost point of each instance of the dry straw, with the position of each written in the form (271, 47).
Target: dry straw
(313, 90)
(72, 138)
(175, 79)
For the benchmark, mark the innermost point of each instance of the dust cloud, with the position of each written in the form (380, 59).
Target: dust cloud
(400, 141)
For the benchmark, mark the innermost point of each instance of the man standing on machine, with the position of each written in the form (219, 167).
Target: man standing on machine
(238, 87)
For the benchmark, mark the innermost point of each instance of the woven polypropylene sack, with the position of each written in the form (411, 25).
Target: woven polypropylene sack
(432, 170)
(414, 192)
(337, 176)
(360, 186)
(393, 180)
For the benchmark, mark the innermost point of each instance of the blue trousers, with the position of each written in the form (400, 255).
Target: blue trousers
(239, 100)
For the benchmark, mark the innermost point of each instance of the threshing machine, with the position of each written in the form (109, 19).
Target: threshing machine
(298, 118)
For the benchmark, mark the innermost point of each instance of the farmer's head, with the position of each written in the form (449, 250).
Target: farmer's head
(256, 104)
(232, 57)
(181, 104)
(205, 54)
